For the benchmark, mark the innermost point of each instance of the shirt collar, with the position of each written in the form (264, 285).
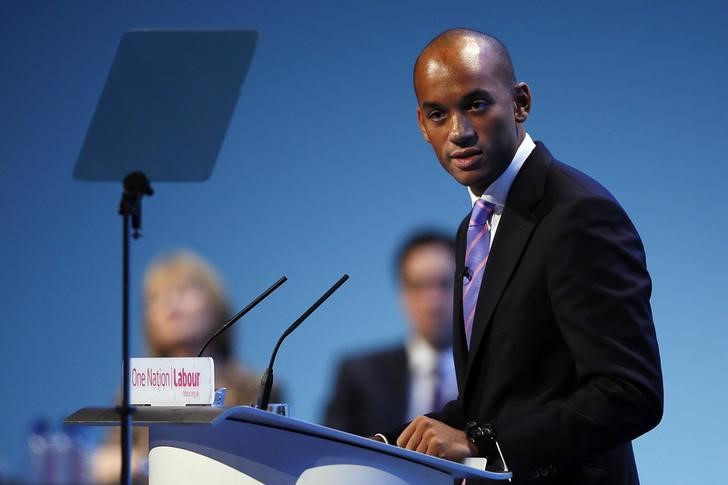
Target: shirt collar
(422, 357)
(497, 192)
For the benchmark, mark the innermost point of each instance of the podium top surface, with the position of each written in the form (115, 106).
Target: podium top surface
(150, 415)
(205, 415)
(166, 104)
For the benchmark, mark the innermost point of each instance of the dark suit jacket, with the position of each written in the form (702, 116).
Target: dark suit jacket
(371, 393)
(563, 360)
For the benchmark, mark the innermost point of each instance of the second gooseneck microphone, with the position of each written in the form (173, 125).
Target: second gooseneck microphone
(266, 383)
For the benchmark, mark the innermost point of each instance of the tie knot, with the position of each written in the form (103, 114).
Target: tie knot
(481, 212)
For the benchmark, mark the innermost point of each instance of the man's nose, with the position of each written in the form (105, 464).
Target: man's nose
(462, 132)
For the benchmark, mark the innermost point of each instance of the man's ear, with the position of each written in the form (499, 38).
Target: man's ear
(521, 101)
(421, 123)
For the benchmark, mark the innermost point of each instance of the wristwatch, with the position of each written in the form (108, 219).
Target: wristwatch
(483, 437)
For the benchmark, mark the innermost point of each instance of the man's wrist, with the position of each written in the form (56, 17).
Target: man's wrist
(474, 451)
(481, 438)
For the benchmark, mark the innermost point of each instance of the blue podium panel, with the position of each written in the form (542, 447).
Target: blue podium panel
(243, 445)
(273, 456)
(269, 448)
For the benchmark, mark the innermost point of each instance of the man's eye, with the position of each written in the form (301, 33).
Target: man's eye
(479, 105)
(435, 115)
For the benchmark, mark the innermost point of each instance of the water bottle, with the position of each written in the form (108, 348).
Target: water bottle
(39, 462)
(58, 448)
(79, 454)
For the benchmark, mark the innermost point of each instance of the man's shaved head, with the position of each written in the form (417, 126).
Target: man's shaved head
(480, 43)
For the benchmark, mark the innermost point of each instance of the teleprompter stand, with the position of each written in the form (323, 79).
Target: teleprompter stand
(162, 116)
(136, 186)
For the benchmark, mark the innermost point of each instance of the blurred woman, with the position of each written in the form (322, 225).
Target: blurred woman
(184, 303)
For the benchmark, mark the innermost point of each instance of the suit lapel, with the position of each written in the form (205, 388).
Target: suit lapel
(511, 238)
(460, 347)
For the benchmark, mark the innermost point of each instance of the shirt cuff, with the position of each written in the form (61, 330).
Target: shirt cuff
(384, 438)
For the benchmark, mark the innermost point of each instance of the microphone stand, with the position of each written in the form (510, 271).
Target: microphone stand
(136, 185)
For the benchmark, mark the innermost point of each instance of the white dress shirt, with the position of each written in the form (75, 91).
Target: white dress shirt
(424, 363)
(497, 192)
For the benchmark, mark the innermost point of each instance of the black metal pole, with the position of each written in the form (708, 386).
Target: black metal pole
(136, 185)
(126, 410)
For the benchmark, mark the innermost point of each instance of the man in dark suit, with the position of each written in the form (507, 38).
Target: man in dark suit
(554, 345)
(381, 389)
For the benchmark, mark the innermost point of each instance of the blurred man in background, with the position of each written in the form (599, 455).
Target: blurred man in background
(381, 388)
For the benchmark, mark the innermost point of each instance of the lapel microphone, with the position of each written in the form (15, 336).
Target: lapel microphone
(466, 273)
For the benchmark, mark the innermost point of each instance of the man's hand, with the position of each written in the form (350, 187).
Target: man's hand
(435, 438)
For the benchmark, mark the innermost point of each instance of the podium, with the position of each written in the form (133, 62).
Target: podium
(244, 445)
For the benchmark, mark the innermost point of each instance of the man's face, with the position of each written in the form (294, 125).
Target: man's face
(469, 115)
(427, 292)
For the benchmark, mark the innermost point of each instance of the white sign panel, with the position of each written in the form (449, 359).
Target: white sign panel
(178, 381)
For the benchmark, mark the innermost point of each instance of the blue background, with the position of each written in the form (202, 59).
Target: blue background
(324, 171)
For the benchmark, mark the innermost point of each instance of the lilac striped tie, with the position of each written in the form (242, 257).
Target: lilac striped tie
(476, 256)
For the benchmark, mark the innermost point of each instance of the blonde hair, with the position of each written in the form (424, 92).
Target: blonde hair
(183, 263)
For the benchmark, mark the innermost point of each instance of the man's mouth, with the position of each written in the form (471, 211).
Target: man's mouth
(465, 158)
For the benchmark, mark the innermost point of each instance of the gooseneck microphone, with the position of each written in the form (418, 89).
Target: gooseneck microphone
(266, 383)
(242, 312)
